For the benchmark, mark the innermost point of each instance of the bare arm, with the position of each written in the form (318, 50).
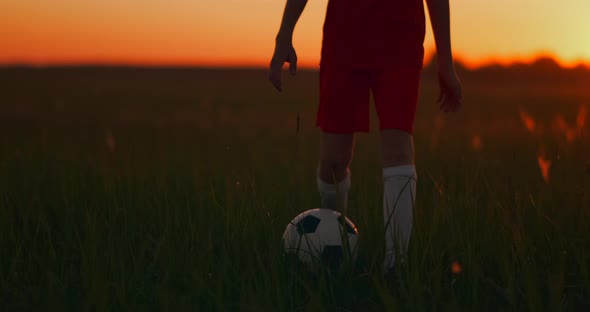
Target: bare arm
(441, 20)
(293, 10)
(284, 51)
(451, 93)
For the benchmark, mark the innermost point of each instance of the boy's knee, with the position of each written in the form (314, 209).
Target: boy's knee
(334, 169)
(397, 148)
(398, 157)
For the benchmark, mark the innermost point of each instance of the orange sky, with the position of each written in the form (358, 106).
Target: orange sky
(241, 32)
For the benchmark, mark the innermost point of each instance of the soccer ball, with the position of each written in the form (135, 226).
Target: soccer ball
(321, 237)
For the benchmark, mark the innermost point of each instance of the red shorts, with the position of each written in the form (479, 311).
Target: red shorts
(344, 98)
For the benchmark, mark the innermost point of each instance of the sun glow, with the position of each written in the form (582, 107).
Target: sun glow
(572, 131)
(476, 142)
(236, 32)
(544, 166)
(528, 121)
(581, 117)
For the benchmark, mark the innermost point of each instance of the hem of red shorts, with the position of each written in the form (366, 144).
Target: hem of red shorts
(409, 131)
(343, 131)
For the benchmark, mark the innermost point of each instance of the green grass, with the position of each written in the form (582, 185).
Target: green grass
(186, 212)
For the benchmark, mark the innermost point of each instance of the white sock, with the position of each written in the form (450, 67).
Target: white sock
(399, 195)
(334, 196)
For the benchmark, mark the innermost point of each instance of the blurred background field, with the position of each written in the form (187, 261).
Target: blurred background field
(154, 188)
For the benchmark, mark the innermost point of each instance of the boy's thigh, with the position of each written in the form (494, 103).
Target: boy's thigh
(344, 100)
(396, 92)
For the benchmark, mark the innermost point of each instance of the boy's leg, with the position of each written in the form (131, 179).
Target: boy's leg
(396, 97)
(343, 110)
(399, 192)
(333, 175)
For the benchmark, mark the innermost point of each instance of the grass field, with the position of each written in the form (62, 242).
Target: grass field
(169, 189)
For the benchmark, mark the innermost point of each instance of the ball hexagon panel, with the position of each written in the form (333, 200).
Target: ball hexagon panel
(308, 224)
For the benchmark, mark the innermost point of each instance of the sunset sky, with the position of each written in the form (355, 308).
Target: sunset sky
(241, 32)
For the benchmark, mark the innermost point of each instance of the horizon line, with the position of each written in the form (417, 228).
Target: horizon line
(254, 65)
(429, 57)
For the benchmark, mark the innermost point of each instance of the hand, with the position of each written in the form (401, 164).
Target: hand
(450, 98)
(284, 52)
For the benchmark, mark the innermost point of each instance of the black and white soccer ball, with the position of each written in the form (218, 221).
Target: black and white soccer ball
(322, 237)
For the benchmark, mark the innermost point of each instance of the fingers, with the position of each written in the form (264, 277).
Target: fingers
(440, 98)
(451, 96)
(441, 101)
(292, 63)
(449, 103)
(450, 99)
(284, 52)
(275, 74)
(276, 81)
